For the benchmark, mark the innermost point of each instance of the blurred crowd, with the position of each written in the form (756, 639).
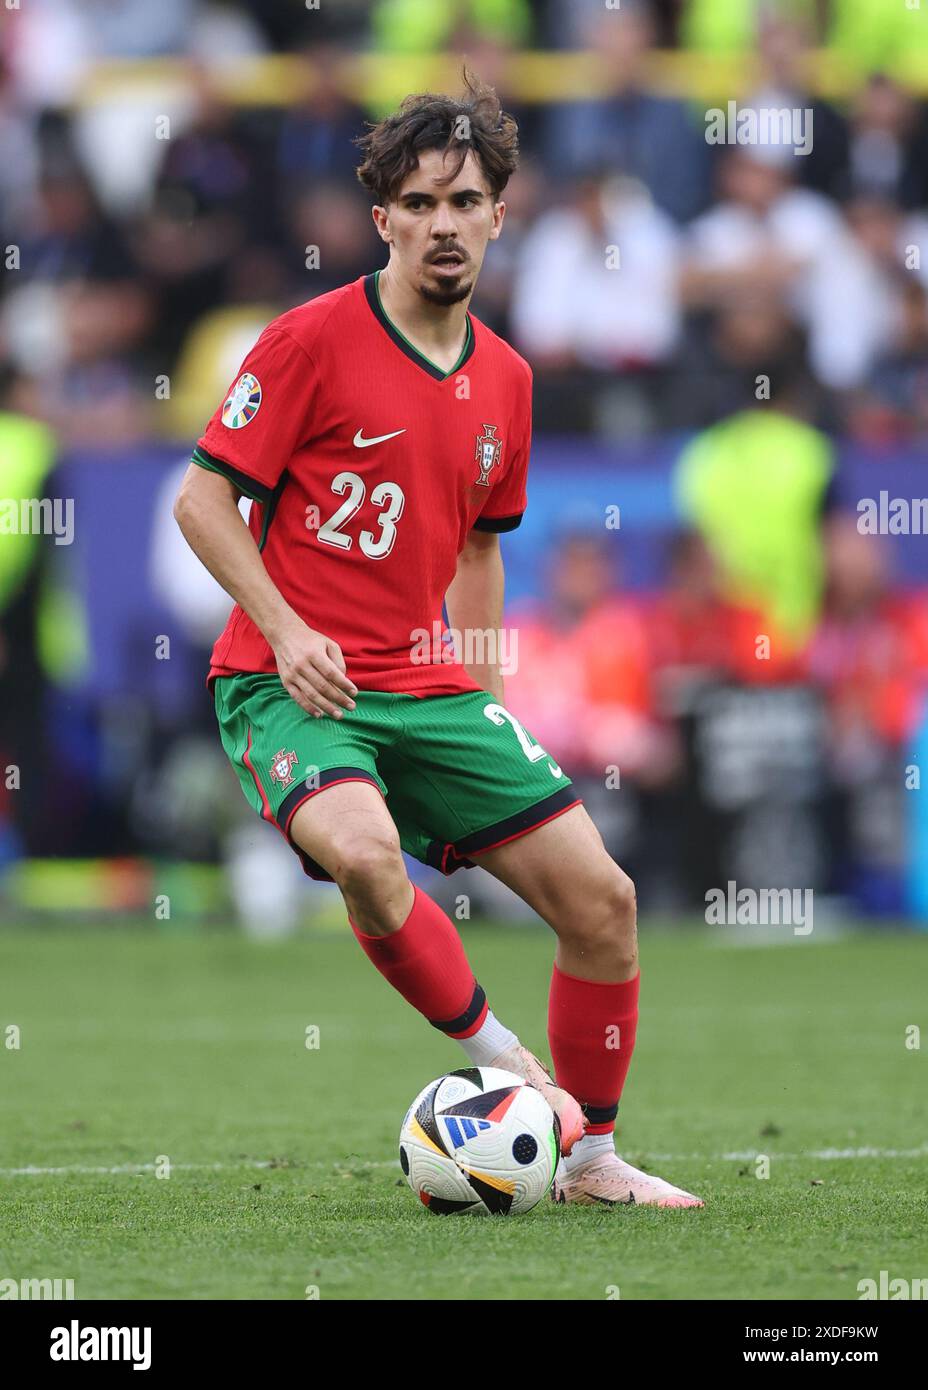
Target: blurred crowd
(152, 233)
(760, 300)
(712, 739)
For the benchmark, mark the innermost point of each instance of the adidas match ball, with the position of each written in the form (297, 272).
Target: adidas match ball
(479, 1140)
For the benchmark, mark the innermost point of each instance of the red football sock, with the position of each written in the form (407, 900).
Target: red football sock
(425, 962)
(591, 1032)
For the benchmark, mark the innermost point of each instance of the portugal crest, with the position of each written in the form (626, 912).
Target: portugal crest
(282, 766)
(487, 454)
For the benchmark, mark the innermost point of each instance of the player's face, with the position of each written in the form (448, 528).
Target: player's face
(438, 232)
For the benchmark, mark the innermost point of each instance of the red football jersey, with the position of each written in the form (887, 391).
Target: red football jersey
(368, 466)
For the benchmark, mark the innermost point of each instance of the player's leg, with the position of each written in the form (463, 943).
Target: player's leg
(349, 832)
(322, 789)
(563, 871)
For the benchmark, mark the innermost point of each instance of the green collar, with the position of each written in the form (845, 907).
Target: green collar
(372, 291)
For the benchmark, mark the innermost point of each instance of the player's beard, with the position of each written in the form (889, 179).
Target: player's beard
(445, 295)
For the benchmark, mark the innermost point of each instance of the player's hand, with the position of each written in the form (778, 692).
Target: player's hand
(313, 672)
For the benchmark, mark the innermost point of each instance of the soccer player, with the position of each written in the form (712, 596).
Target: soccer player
(382, 433)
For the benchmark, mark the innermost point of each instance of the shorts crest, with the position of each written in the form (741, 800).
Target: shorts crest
(282, 765)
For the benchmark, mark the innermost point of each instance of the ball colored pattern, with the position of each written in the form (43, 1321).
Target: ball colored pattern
(481, 1141)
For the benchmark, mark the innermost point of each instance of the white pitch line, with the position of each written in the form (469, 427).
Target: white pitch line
(865, 1152)
(131, 1168)
(745, 1155)
(737, 1156)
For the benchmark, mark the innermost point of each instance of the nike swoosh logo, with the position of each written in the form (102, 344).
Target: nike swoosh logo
(555, 770)
(361, 443)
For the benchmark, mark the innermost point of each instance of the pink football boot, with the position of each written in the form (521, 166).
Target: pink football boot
(609, 1181)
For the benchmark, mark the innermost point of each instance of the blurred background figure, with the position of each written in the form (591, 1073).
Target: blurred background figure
(193, 785)
(583, 686)
(869, 656)
(756, 487)
(27, 457)
(629, 130)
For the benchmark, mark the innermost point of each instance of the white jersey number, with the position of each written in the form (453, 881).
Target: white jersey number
(387, 496)
(533, 751)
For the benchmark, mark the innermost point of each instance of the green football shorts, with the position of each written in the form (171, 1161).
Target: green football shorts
(459, 773)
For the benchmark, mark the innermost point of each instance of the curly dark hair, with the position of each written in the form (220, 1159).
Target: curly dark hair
(475, 123)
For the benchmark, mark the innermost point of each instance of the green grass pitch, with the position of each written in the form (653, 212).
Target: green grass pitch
(284, 1174)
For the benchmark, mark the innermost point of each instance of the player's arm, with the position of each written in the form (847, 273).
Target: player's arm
(475, 601)
(311, 666)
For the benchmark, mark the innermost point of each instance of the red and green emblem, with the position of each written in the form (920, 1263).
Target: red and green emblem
(282, 765)
(487, 453)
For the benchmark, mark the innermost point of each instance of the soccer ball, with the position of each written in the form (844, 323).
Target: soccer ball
(482, 1140)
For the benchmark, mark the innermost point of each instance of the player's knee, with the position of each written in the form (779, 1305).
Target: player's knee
(623, 915)
(608, 926)
(367, 868)
(622, 899)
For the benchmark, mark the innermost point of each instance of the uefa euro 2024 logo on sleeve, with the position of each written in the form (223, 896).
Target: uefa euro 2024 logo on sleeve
(243, 402)
(487, 453)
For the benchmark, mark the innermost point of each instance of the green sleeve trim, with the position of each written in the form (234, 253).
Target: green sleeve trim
(258, 492)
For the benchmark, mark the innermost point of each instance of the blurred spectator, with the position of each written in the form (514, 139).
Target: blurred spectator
(742, 802)
(698, 635)
(893, 402)
(782, 48)
(20, 165)
(569, 26)
(27, 454)
(596, 281)
(583, 682)
(66, 234)
(748, 339)
(101, 392)
(583, 687)
(870, 651)
(766, 233)
(76, 317)
(888, 155)
(186, 799)
(870, 657)
(335, 220)
(214, 203)
(524, 196)
(317, 132)
(755, 486)
(630, 130)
